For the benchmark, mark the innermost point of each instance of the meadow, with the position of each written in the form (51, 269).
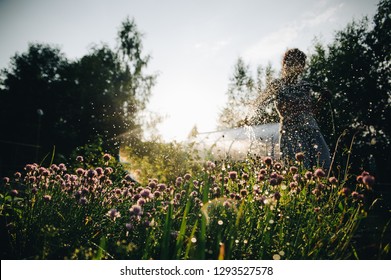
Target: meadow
(251, 209)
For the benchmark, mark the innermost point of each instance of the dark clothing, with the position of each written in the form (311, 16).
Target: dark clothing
(299, 131)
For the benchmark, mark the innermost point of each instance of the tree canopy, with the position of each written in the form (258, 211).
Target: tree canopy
(49, 101)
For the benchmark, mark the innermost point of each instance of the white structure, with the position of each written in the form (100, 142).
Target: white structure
(236, 143)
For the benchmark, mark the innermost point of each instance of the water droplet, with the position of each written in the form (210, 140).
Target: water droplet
(276, 257)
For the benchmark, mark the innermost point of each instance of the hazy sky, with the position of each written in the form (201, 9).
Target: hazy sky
(194, 44)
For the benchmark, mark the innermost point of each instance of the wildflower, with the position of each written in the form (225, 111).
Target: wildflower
(29, 167)
(273, 182)
(369, 181)
(136, 210)
(316, 209)
(187, 177)
(308, 175)
(233, 175)
(91, 173)
(227, 204)
(47, 198)
(178, 181)
(44, 172)
(79, 159)
(162, 187)
(152, 184)
(141, 201)
(157, 194)
(262, 171)
(261, 177)
(277, 196)
(17, 175)
(54, 167)
(359, 179)
(32, 179)
(333, 180)
(6, 180)
(145, 193)
(34, 190)
(268, 161)
(245, 176)
(62, 167)
(316, 192)
(99, 171)
(106, 157)
(355, 195)
(277, 166)
(297, 177)
(14, 193)
(293, 169)
(293, 185)
(83, 201)
(80, 171)
(108, 171)
(319, 173)
(129, 226)
(299, 157)
(243, 192)
(210, 165)
(113, 214)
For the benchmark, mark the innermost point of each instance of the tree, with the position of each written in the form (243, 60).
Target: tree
(99, 95)
(241, 94)
(356, 68)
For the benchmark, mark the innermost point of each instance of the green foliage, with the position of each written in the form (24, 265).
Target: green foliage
(163, 161)
(99, 95)
(229, 210)
(355, 68)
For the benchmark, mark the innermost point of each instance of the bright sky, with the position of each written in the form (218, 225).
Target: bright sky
(194, 44)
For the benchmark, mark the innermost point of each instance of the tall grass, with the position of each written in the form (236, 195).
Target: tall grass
(253, 209)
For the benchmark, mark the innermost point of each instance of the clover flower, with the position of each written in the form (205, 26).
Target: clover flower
(245, 176)
(106, 157)
(369, 181)
(136, 210)
(80, 171)
(243, 192)
(319, 173)
(333, 180)
(293, 169)
(299, 157)
(62, 167)
(14, 193)
(113, 214)
(268, 161)
(233, 175)
(145, 193)
(79, 159)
